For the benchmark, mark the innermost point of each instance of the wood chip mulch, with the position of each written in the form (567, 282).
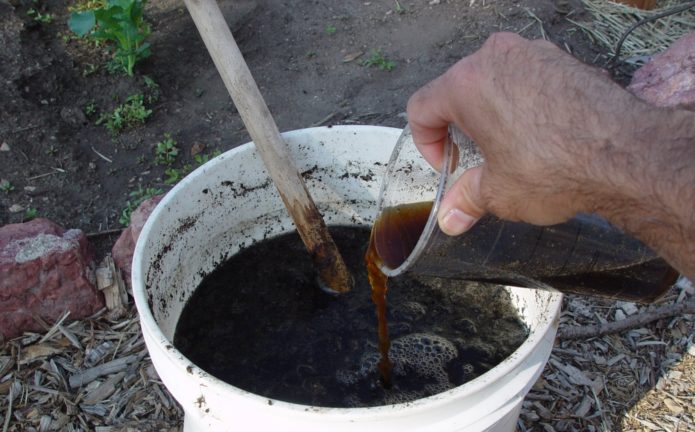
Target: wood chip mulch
(95, 375)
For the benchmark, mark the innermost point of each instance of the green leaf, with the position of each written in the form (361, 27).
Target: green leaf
(81, 23)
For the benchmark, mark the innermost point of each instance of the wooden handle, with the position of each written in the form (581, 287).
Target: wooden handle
(259, 122)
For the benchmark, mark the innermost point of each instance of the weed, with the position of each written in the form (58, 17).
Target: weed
(86, 5)
(90, 109)
(173, 175)
(6, 186)
(151, 90)
(37, 16)
(113, 67)
(128, 115)
(52, 150)
(377, 59)
(30, 214)
(136, 198)
(330, 29)
(400, 9)
(166, 151)
(90, 69)
(141, 159)
(204, 158)
(310, 54)
(120, 22)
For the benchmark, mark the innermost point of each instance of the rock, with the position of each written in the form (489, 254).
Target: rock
(16, 208)
(73, 116)
(619, 315)
(46, 271)
(628, 307)
(668, 80)
(122, 251)
(4, 147)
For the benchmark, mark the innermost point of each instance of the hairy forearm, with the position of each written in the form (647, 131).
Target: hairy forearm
(646, 181)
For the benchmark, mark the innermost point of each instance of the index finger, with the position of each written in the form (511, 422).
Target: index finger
(429, 122)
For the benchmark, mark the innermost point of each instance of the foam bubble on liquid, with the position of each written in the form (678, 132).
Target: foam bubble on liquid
(418, 356)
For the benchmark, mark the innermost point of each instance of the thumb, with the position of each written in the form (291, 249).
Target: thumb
(462, 205)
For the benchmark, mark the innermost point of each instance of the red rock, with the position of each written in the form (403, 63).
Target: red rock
(46, 271)
(122, 251)
(668, 80)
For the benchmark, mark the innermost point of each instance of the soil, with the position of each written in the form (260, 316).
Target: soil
(277, 334)
(305, 57)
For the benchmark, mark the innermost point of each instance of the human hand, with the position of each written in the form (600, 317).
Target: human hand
(539, 116)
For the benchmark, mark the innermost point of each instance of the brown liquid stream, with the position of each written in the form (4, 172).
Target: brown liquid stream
(394, 236)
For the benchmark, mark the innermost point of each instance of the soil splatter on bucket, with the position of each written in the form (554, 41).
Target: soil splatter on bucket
(261, 323)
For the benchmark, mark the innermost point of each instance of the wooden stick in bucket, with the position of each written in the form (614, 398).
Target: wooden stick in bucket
(333, 272)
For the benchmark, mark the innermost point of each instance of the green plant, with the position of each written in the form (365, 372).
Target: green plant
(30, 214)
(128, 115)
(37, 16)
(330, 29)
(173, 175)
(377, 59)
(6, 186)
(90, 109)
(113, 67)
(151, 90)
(52, 150)
(204, 158)
(136, 198)
(86, 5)
(90, 69)
(165, 151)
(399, 9)
(118, 21)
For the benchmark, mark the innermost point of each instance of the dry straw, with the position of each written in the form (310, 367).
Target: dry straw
(612, 20)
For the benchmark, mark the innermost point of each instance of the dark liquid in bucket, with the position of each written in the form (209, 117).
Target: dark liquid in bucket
(261, 323)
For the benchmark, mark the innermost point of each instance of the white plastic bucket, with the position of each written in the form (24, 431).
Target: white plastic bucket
(228, 204)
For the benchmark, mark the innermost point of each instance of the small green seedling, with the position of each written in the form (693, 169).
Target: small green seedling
(90, 109)
(166, 151)
(399, 9)
(37, 16)
(136, 198)
(120, 22)
(204, 158)
(330, 29)
(173, 175)
(377, 59)
(52, 150)
(90, 69)
(128, 115)
(30, 214)
(151, 90)
(6, 186)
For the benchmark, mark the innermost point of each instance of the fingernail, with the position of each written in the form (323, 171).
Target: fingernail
(456, 222)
